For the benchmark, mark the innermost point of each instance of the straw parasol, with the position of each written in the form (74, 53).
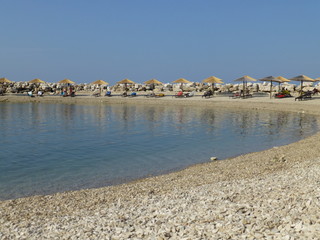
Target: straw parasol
(4, 80)
(270, 79)
(182, 81)
(100, 82)
(245, 79)
(283, 79)
(36, 80)
(66, 81)
(126, 81)
(153, 81)
(301, 79)
(212, 80)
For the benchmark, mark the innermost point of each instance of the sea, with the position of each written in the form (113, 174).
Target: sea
(47, 148)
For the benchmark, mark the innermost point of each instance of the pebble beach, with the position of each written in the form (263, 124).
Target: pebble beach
(273, 194)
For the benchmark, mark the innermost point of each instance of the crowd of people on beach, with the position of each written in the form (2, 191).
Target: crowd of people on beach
(238, 90)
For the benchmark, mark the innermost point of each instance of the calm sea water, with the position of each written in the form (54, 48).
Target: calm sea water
(47, 148)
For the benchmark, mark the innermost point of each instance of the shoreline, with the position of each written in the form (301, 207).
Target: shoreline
(257, 103)
(158, 199)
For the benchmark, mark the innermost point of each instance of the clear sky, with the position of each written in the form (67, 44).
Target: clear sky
(163, 39)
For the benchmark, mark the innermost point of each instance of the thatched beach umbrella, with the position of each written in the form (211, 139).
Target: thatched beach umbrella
(4, 80)
(153, 81)
(301, 79)
(270, 79)
(36, 80)
(66, 81)
(182, 81)
(245, 79)
(100, 82)
(212, 80)
(125, 82)
(283, 80)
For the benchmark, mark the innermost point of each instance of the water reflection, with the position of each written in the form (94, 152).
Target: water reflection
(66, 146)
(34, 115)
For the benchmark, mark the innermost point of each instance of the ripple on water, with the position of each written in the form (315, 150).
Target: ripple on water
(46, 148)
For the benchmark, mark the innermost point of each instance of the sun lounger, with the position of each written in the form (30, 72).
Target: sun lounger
(207, 94)
(150, 95)
(305, 96)
(235, 95)
(191, 94)
(30, 94)
(179, 95)
(281, 95)
(159, 95)
(96, 94)
(248, 95)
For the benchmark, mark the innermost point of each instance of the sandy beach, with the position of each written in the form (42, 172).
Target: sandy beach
(273, 194)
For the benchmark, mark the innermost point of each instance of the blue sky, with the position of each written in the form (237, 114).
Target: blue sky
(165, 39)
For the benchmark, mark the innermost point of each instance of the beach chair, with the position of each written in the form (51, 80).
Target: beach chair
(282, 95)
(30, 94)
(305, 96)
(191, 94)
(96, 94)
(179, 95)
(134, 94)
(150, 95)
(207, 94)
(235, 95)
(159, 95)
(246, 94)
(108, 94)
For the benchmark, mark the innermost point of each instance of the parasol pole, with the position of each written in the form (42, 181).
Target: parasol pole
(243, 88)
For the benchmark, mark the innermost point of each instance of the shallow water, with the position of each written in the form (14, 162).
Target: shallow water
(47, 148)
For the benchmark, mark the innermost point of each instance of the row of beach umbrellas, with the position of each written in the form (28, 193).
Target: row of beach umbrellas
(124, 81)
(245, 79)
(37, 80)
(213, 80)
